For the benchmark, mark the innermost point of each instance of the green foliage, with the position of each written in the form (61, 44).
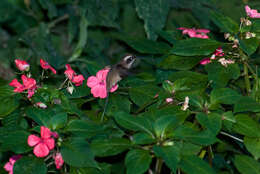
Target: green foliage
(172, 114)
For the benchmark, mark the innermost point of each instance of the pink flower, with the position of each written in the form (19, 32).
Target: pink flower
(9, 165)
(22, 65)
(219, 52)
(205, 61)
(98, 84)
(45, 65)
(41, 105)
(197, 33)
(226, 62)
(72, 76)
(252, 13)
(29, 84)
(169, 100)
(58, 160)
(42, 145)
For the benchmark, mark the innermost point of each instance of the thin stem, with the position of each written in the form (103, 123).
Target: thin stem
(158, 167)
(60, 19)
(61, 86)
(210, 155)
(231, 136)
(247, 81)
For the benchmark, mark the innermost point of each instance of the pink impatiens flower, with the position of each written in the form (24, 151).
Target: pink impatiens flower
(45, 65)
(42, 145)
(169, 100)
(22, 65)
(252, 13)
(197, 33)
(205, 61)
(41, 105)
(10, 165)
(72, 76)
(98, 84)
(58, 160)
(29, 84)
(218, 53)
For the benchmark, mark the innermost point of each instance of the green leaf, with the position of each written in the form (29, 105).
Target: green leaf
(109, 147)
(48, 5)
(15, 141)
(76, 152)
(134, 123)
(197, 137)
(211, 121)
(224, 96)
(246, 164)
(41, 116)
(30, 165)
(164, 123)
(154, 14)
(179, 62)
(246, 104)
(225, 23)
(137, 161)
(10, 104)
(256, 26)
(253, 146)
(143, 94)
(59, 120)
(193, 165)
(170, 154)
(249, 46)
(78, 92)
(246, 126)
(143, 138)
(170, 36)
(195, 47)
(221, 75)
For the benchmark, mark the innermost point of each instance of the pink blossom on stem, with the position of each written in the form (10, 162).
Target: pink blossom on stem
(41, 105)
(72, 76)
(205, 61)
(252, 13)
(98, 84)
(45, 65)
(22, 65)
(42, 144)
(169, 100)
(10, 165)
(58, 160)
(197, 33)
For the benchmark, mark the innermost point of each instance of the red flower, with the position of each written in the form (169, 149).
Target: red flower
(10, 165)
(58, 160)
(22, 65)
(42, 145)
(45, 65)
(192, 32)
(29, 84)
(98, 84)
(72, 76)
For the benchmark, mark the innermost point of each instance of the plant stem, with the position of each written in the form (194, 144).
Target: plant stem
(158, 166)
(247, 81)
(231, 136)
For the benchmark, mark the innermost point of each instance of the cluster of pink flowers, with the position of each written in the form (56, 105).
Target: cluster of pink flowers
(45, 65)
(44, 144)
(252, 13)
(29, 84)
(10, 165)
(98, 84)
(192, 32)
(72, 76)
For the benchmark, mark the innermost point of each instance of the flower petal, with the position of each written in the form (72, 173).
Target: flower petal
(50, 142)
(45, 132)
(92, 81)
(102, 74)
(33, 140)
(114, 88)
(8, 167)
(41, 150)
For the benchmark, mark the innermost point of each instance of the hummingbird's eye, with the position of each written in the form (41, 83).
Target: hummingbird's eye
(129, 60)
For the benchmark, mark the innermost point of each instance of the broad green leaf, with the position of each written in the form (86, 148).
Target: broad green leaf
(104, 169)
(164, 123)
(110, 147)
(197, 137)
(225, 23)
(48, 5)
(224, 96)
(84, 128)
(228, 120)
(41, 116)
(76, 152)
(6, 91)
(246, 126)
(143, 94)
(193, 165)
(10, 104)
(256, 26)
(78, 92)
(220, 75)
(59, 120)
(15, 141)
(179, 62)
(246, 104)
(187, 148)
(249, 46)
(195, 47)
(30, 165)
(143, 138)
(170, 36)
(134, 123)
(154, 13)
(253, 146)
(246, 164)
(137, 161)
(170, 154)
(211, 121)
